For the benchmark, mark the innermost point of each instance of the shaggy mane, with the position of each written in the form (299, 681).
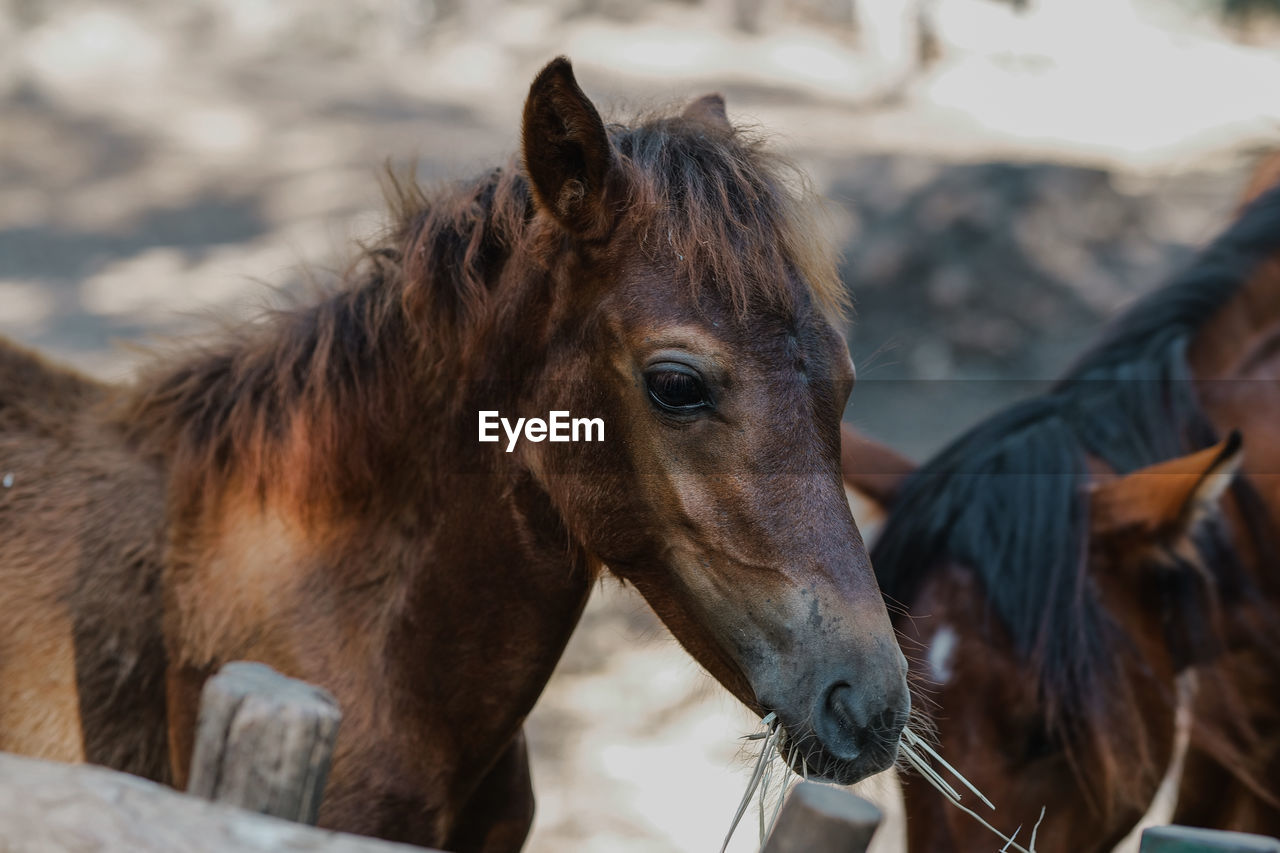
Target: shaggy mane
(730, 218)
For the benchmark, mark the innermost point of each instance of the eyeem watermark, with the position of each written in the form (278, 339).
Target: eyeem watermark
(558, 426)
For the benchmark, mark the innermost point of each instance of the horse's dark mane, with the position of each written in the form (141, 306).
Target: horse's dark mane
(1006, 498)
(708, 202)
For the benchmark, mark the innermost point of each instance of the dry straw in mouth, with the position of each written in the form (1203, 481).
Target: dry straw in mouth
(915, 749)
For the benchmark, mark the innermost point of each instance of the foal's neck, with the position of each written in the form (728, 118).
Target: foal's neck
(344, 437)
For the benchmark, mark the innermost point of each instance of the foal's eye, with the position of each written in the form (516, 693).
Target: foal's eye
(676, 388)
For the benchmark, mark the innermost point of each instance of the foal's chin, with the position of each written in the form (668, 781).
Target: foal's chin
(816, 761)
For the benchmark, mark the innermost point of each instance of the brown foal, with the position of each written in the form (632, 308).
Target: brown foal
(311, 491)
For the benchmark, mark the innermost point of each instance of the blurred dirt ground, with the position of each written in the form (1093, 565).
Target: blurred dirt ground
(162, 164)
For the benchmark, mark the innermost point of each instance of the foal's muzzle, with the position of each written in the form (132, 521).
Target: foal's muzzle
(857, 731)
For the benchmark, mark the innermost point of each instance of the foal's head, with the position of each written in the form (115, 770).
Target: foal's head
(689, 308)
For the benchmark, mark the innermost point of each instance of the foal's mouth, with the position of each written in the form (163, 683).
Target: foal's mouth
(809, 757)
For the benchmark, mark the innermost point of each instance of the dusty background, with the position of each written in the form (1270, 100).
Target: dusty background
(162, 163)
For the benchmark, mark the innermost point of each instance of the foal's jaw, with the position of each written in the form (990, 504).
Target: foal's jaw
(816, 659)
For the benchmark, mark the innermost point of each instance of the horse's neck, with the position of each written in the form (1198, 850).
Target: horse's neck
(365, 540)
(486, 619)
(491, 588)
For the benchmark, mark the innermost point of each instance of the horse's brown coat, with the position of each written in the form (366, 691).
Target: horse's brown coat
(1177, 594)
(991, 721)
(309, 491)
(1237, 359)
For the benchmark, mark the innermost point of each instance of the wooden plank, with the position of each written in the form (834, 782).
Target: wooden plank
(264, 742)
(822, 819)
(46, 807)
(1185, 839)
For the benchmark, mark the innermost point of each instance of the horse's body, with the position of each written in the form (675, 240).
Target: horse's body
(1066, 560)
(311, 493)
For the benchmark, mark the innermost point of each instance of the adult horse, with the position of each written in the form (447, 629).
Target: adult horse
(312, 492)
(1242, 380)
(1066, 559)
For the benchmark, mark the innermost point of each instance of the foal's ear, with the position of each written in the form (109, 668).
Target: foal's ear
(873, 475)
(709, 109)
(1165, 500)
(566, 151)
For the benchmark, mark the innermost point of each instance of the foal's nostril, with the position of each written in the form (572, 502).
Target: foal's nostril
(843, 709)
(840, 704)
(853, 729)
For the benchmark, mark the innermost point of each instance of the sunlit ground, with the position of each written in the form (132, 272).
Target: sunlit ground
(160, 162)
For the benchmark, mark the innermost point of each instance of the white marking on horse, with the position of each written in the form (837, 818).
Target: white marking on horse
(940, 651)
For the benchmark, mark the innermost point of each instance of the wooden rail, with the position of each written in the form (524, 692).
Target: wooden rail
(264, 743)
(45, 806)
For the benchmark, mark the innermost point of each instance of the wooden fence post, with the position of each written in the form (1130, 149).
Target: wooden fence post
(1184, 839)
(821, 819)
(264, 742)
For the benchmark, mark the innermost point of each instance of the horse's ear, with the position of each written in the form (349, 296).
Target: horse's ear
(567, 152)
(873, 474)
(1164, 501)
(709, 109)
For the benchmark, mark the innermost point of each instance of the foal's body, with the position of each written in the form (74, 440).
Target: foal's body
(336, 601)
(311, 493)
(81, 538)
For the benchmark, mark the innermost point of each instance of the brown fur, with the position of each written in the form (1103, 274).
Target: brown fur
(1238, 359)
(990, 719)
(78, 527)
(1183, 580)
(309, 491)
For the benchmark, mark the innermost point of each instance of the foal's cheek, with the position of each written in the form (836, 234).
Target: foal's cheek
(594, 491)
